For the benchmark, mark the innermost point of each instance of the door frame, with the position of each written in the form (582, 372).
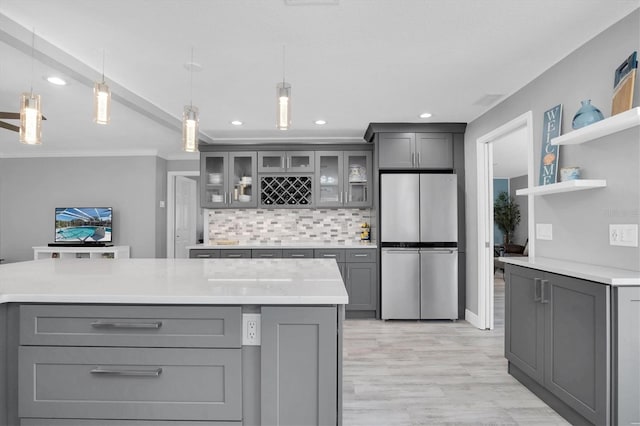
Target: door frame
(484, 167)
(171, 207)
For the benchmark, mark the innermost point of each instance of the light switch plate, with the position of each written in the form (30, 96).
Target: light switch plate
(544, 231)
(623, 235)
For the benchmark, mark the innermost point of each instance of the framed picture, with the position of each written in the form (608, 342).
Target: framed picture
(549, 158)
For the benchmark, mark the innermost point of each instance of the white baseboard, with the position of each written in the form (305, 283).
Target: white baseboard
(472, 318)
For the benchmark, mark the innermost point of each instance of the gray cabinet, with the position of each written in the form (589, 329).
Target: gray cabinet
(626, 356)
(343, 179)
(228, 180)
(297, 253)
(266, 253)
(557, 332)
(204, 253)
(298, 366)
(235, 254)
(416, 150)
(361, 283)
(285, 161)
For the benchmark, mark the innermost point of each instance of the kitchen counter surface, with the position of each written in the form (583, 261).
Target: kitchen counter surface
(289, 245)
(601, 274)
(174, 281)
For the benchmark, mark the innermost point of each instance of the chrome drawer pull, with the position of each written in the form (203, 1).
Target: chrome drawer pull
(112, 372)
(297, 255)
(234, 255)
(329, 255)
(360, 255)
(537, 290)
(204, 255)
(101, 324)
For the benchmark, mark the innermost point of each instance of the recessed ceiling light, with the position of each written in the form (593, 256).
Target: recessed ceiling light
(56, 80)
(425, 115)
(193, 66)
(320, 122)
(236, 123)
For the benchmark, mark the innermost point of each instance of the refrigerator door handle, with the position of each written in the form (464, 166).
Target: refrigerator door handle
(413, 159)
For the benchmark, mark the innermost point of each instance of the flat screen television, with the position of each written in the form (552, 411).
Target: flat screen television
(83, 225)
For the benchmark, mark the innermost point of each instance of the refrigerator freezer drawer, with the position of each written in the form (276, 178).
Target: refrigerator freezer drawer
(400, 282)
(439, 284)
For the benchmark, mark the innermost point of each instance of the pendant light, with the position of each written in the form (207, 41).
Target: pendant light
(30, 110)
(283, 96)
(101, 100)
(190, 119)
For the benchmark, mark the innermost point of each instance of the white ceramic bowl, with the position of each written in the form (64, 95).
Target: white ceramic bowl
(244, 198)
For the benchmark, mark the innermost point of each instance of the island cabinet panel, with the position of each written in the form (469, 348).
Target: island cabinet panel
(130, 383)
(138, 326)
(361, 284)
(557, 332)
(298, 366)
(627, 356)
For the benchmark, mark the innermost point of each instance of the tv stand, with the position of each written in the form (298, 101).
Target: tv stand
(83, 252)
(91, 244)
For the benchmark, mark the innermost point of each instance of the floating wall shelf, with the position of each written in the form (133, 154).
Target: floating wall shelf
(568, 186)
(608, 126)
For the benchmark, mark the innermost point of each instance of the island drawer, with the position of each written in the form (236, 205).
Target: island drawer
(337, 254)
(297, 253)
(361, 255)
(130, 383)
(130, 325)
(204, 253)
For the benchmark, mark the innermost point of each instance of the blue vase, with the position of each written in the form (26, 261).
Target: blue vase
(587, 114)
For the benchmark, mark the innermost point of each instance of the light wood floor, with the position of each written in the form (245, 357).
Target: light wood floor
(434, 372)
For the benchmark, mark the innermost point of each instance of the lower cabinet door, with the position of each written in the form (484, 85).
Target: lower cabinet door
(361, 286)
(129, 383)
(576, 345)
(299, 366)
(524, 321)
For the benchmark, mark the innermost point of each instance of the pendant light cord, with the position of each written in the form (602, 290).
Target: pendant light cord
(103, 65)
(191, 81)
(283, 57)
(33, 48)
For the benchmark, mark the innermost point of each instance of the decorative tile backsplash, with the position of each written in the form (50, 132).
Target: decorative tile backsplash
(287, 225)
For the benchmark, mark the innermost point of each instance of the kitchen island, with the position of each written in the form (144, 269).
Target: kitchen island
(171, 341)
(571, 337)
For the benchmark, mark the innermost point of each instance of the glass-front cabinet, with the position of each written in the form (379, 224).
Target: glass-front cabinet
(343, 178)
(285, 161)
(228, 180)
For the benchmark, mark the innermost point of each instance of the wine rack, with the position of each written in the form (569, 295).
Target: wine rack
(286, 191)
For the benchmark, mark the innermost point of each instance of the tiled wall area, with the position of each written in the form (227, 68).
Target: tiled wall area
(286, 225)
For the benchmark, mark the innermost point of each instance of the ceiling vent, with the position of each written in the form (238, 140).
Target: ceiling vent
(488, 100)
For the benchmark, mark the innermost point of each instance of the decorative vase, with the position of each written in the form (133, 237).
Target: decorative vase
(587, 114)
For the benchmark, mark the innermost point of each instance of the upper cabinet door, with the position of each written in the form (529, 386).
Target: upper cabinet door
(243, 179)
(397, 150)
(299, 161)
(271, 161)
(214, 175)
(357, 181)
(434, 151)
(328, 179)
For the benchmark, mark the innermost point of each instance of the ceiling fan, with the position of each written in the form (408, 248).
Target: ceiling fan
(11, 116)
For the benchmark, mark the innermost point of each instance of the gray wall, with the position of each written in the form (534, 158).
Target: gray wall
(30, 189)
(521, 234)
(580, 219)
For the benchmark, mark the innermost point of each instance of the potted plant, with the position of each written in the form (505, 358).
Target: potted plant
(506, 214)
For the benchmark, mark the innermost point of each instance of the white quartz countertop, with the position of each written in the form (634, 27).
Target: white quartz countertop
(174, 281)
(601, 274)
(289, 245)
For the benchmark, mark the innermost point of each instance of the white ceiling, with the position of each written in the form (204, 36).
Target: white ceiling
(350, 62)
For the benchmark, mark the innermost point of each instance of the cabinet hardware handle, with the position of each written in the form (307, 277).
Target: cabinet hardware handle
(360, 255)
(537, 291)
(413, 159)
(543, 294)
(113, 372)
(288, 162)
(266, 255)
(329, 255)
(234, 255)
(104, 324)
(297, 255)
(418, 158)
(204, 255)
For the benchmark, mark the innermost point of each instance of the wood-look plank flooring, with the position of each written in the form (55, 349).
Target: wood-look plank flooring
(434, 372)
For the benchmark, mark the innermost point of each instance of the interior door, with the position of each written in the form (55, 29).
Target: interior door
(185, 216)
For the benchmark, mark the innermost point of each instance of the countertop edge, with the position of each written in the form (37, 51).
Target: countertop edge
(611, 276)
(301, 246)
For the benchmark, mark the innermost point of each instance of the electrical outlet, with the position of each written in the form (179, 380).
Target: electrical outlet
(251, 329)
(544, 231)
(623, 235)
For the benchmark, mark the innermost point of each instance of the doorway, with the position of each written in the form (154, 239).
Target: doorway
(518, 130)
(183, 214)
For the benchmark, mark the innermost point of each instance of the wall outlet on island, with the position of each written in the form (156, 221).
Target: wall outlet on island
(251, 329)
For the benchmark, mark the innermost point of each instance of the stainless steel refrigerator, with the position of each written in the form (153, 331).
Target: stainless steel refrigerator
(419, 245)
